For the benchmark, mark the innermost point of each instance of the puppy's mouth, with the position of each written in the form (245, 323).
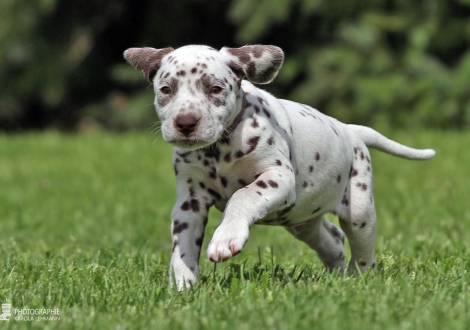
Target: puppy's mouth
(190, 143)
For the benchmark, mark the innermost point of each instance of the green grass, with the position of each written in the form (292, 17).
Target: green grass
(85, 228)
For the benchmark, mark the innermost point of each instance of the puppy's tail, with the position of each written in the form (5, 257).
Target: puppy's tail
(377, 141)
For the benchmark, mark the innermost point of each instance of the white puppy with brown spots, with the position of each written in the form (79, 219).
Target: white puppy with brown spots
(259, 159)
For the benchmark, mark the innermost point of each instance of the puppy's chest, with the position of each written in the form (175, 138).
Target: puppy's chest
(227, 171)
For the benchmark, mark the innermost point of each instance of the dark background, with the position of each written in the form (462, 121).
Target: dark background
(402, 63)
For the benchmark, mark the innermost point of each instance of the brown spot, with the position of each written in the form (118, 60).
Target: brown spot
(338, 178)
(305, 184)
(266, 112)
(199, 241)
(224, 139)
(193, 70)
(252, 142)
(345, 201)
(241, 54)
(363, 225)
(317, 156)
(212, 152)
(194, 205)
(336, 233)
(214, 193)
(179, 227)
(224, 181)
(271, 141)
(191, 192)
(286, 210)
(242, 182)
(362, 263)
(278, 162)
(185, 156)
(310, 168)
(363, 186)
(259, 193)
(273, 184)
(255, 124)
(228, 157)
(175, 244)
(185, 206)
(251, 69)
(261, 184)
(202, 185)
(239, 154)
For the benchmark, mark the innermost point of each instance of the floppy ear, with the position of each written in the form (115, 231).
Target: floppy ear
(147, 59)
(260, 64)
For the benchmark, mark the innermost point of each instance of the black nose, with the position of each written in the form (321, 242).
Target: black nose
(186, 124)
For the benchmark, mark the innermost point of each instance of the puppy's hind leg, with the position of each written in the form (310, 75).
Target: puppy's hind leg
(357, 215)
(325, 238)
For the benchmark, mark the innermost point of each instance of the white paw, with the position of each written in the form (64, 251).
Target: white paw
(182, 276)
(182, 283)
(227, 242)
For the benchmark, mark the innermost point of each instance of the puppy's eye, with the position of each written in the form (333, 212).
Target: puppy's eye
(165, 90)
(216, 89)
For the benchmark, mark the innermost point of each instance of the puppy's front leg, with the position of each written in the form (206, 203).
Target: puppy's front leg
(247, 205)
(189, 218)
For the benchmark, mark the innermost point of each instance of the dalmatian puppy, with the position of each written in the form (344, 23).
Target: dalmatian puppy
(259, 159)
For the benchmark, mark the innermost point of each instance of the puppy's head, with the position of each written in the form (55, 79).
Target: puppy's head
(198, 89)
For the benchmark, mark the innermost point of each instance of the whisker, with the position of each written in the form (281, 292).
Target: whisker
(155, 128)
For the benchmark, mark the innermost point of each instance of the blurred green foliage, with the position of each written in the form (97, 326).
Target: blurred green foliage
(403, 63)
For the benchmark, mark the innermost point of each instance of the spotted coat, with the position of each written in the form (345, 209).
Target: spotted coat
(258, 159)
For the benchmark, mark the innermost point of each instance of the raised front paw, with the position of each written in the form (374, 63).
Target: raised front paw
(227, 242)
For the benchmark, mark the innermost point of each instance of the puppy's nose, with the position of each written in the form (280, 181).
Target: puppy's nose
(186, 124)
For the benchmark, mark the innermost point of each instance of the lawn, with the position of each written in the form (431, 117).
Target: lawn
(85, 229)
